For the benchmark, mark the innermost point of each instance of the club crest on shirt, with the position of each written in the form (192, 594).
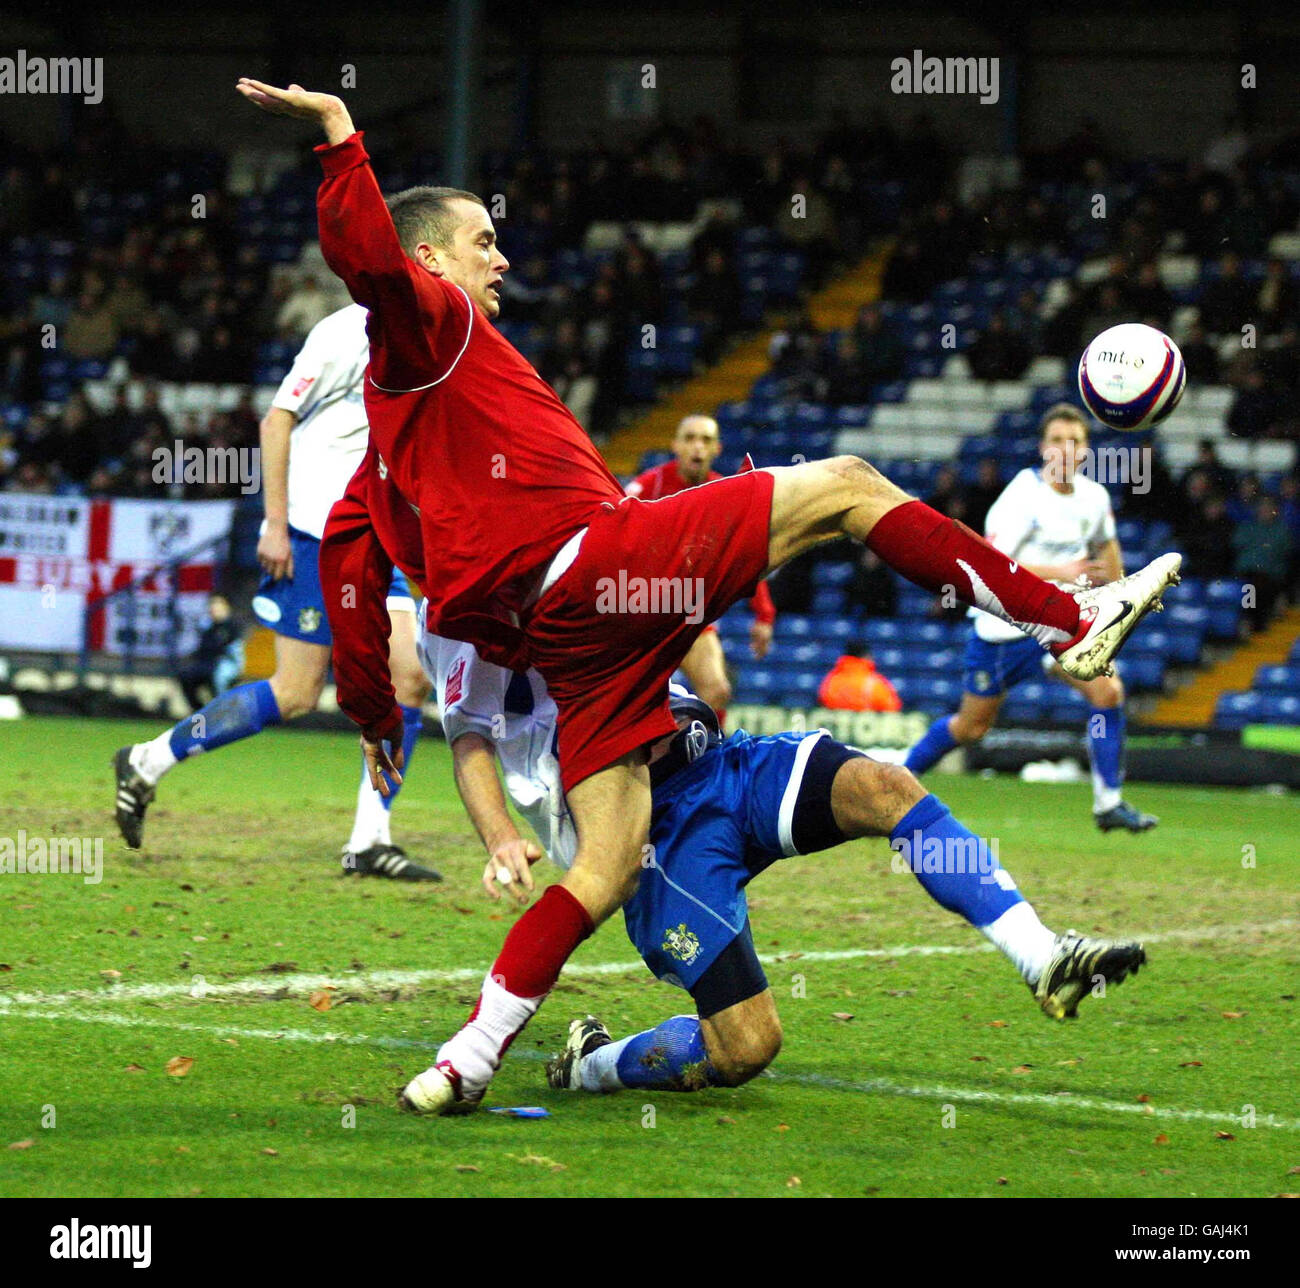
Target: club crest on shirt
(455, 682)
(682, 943)
(309, 620)
(302, 386)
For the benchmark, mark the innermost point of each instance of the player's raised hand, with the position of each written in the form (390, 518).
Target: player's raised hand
(760, 638)
(327, 110)
(510, 865)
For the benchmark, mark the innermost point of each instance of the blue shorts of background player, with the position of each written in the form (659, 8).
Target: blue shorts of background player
(726, 810)
(294, 606)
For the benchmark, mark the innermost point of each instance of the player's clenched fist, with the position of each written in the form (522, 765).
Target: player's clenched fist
(510, 865)
(326, 110)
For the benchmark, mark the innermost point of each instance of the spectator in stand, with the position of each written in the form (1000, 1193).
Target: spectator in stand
(947, 496)
(640, 283)
(1257, 409)
(1158, 486)
(306, 305)
(1275, 300)
(1228, 303)
(91, 331)
(1110, 311)
(847, 380)
(909, 276)
(713, 302)
(872, 587)
(218, 660)
(986, 489)
(999, 353)
(1263, 549)
(1200, 357)
(795, 354)
(1288, 505)
(806, 221)
(1243, 501)
(1150, 297)
(881, 352)
(854, 684)
(1205, 537)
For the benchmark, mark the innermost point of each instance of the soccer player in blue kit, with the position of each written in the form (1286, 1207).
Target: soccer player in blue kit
(724, 810)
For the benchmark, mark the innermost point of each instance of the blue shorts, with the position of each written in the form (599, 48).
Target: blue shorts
(294, 606)
(992, 669)
(715, 824)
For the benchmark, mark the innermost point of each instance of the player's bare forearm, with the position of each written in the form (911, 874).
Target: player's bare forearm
(477, 781)
(327, 110)
(275, 434)
(1111, 559)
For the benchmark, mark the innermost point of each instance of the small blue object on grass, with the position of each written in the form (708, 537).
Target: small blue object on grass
(522, 1111)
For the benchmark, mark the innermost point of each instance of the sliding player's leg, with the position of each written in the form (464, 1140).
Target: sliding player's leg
(684, 1053)
(370, 850)
(962, 873)
(295, 688)
(611, 810)
(1106, 729)
(820, 500)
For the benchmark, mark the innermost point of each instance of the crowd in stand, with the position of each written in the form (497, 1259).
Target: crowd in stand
(186, 299)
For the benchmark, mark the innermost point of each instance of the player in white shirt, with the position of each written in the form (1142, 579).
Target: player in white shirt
(1057, 523)
(725, 809)
(313, 439)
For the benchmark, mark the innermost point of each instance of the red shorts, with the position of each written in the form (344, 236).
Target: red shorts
(649, 577)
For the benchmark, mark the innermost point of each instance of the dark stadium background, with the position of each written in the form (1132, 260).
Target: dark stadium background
(670, 206)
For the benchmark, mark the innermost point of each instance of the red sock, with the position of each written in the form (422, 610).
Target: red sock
(540, 942)
(931, 549)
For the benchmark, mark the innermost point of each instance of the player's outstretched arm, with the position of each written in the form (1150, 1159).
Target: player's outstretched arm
(358, 240)
(327, 110)
(510, 855)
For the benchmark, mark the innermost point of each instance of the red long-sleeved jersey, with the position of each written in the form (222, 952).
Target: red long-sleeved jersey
(666, 479)
(494, 465)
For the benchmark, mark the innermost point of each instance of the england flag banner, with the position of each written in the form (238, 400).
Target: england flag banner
(59, 555)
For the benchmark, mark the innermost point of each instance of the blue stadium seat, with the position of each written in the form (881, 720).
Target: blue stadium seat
(1277, 679)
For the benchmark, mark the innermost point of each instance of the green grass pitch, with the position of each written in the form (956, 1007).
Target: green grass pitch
(904, 1072)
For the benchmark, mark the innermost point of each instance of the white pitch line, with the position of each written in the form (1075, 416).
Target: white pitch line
(871, 1087)
(296, 985)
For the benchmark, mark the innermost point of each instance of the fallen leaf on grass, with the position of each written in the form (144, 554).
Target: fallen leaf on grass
(134, 1068)
(724, 1121)
(981, 1059)
(320, 1000)
(1002, 1180)
(1190, 1064)
(22, 1144)
(1224, 1135)
(111, 974)
(997, 1024)
(1162, 1139)
(467, 1167)
(179, 1065)
(841, 1015)
(1023, 1068)
(1143, 1098)
(1232, 1015)
(793, 1183)
(274, 1153)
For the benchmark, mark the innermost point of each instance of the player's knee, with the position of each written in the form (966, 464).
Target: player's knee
(970, 728)
(411, 686)
(746, 1055)
(296, 695)
(1107, 692)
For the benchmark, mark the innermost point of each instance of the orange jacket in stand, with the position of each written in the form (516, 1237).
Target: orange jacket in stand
(854, 684)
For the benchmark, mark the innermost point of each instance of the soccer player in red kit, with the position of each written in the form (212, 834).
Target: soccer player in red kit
(532, 553)
(696, 445)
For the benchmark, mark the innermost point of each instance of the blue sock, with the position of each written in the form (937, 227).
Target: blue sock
(959, 870)
(412, 723)
(237, 713)
(932, 748)
(1106, 755)
(671, 1057)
